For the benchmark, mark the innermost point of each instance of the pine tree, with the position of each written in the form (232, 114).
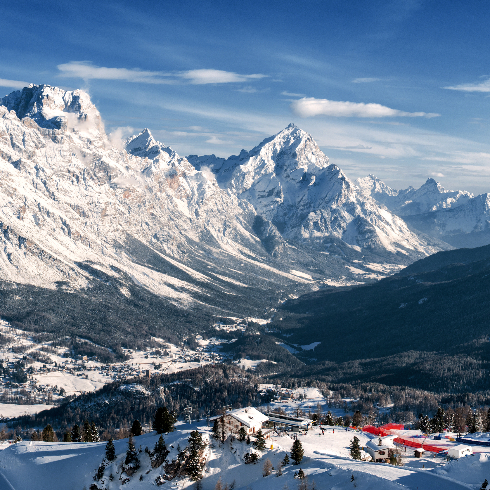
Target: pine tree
(424, 423)
(94, 433)
(242, 434)
(110, 450)
(86, 432)
(297, 452)
(48, 434)
(160, 453)
(301, 474)
(67, 437)
(195, 462)
(132, 460)
(164, 421)
(487, 422)
(216, 429)
(471, 422)
(355, 450)
(259, 442)
(484, 485)
(136, 428)
(329, 419)
(285, 461)
(279, 469)
(438, 420)
(357, 419)
(76, 435)
(339, 421)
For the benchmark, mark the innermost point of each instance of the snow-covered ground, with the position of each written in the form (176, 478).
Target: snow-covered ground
(71, 466)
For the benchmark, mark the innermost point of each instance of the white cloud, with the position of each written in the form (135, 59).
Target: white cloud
(87, 71)
(12, 83)
(366, 80)
(290, 94)
(118, 135)
(310, 107)
(206, 76)
(437, 174)
(472, 87)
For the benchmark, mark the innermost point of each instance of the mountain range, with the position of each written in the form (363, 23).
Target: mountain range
(103, 238)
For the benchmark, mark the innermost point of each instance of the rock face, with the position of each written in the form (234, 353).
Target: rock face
(455, 217)
(77, 214)
(290, 182)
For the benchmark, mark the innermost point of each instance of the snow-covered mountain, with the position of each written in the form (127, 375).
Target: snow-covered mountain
(290, 182)
(78, 211)
(408, 202)
(455, 217)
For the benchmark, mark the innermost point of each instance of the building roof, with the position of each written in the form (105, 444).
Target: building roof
(373, 444)
(249, 416)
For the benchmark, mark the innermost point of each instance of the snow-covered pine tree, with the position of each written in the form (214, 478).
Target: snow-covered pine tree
(329, 419)
(132, 462)
(160, 453)
(355, 450)
(297, 452)
(195, 462)
(285, 461)
(438, 420)
(259, 442)
(94, 433)
(110, 450)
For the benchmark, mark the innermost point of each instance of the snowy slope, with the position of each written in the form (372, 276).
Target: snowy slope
(71, 466)
(291, 184)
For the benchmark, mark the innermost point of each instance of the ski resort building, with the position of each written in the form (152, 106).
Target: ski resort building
(295, 423)
(249, 417)
(378, 448)
(459, 451)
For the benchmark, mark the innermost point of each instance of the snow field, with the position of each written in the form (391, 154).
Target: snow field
(71, 466)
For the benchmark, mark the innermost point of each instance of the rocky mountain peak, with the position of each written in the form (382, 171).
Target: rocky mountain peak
(55, 108)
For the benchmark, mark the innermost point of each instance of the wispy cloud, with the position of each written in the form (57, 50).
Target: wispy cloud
(472, 87)
(290, 94)
(87, 71)
(366, 80)
(12, 83)
(201, 77)
(310, 107)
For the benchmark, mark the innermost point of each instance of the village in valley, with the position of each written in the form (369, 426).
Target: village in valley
(36, 375)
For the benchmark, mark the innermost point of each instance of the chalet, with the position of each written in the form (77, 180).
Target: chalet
(379, 448)
(249, 417)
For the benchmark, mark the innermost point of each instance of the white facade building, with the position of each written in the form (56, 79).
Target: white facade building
(249, 417)
(459, 451)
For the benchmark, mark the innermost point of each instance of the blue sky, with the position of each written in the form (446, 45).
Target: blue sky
(399, 88)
